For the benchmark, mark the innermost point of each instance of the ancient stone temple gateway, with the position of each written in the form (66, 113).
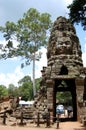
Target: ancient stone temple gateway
(64, 64)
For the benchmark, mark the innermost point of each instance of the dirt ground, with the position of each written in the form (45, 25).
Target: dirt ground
(62, 126)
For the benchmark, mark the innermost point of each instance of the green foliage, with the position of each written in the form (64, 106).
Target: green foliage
(24, 80)
(64, 97)
(26, 88)
(3, 91)
(31, 33)
(13, 91)
(26, 91)
(8, 30)
(78, 12)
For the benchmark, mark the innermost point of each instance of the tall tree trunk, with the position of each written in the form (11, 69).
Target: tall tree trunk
(34, 87)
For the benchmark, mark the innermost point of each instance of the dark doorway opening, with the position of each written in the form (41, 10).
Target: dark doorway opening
(64, 70)
(66, 87)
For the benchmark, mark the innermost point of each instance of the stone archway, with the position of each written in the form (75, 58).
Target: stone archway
(64, 63)
(66, 85)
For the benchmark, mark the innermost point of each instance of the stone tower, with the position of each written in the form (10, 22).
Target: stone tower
(64, 64)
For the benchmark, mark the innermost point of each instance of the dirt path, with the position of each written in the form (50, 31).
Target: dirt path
(62, 126)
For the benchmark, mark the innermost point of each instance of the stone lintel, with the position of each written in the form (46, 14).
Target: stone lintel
(49, 81)
(63, 77)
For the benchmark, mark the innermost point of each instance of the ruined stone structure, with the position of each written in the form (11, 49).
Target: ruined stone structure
(64, 64)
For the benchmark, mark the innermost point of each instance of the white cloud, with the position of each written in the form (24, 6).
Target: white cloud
(84, 56)
(17, 74)
(67, 2)
(13, 77)
(42, 63)
(84, 59)
(3, 43)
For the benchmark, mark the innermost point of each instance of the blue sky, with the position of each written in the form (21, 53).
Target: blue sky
(12, 10)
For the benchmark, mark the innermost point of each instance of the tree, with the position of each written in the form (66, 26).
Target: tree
(26, 90)
(64, 97)
(13, 91)
(78, 12)
(24, 80)
(31, 33)
(3, 91)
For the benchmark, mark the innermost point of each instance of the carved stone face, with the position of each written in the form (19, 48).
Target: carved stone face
(63, 45)
(63, 39)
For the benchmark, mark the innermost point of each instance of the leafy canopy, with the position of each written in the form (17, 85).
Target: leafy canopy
(30, 32)
(24, 80)
(3, 91)
(78, 12)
